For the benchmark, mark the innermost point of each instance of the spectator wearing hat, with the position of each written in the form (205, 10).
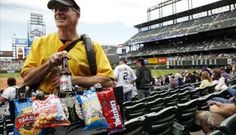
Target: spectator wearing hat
(125, 76)
(45, 57)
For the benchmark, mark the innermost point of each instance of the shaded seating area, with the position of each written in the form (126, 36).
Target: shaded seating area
(160, 123)
(227, 127)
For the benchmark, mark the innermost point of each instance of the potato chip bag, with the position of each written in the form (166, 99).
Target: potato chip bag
(24, 122)
(110, 108)
(49, 113)
(92, 110)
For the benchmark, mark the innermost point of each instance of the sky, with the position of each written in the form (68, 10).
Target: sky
(110, 22)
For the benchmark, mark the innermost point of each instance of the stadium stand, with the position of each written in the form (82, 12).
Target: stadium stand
(207, 40)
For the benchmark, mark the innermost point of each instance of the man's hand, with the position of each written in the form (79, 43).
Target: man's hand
(56, 59)
(214, 108)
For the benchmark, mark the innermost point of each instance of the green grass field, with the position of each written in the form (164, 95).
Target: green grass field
(156, 72)
(6, 75)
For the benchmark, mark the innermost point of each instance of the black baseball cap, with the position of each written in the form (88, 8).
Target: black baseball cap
(123, 59)
(69, 3)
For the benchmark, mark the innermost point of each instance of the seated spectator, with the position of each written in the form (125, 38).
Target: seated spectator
(173, 82)
(218, 80)
(232, 75)
(216, 114)
(205, 80)
(221, 100)
(224, 73)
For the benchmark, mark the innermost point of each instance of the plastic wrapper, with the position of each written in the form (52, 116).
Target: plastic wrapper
(92, 110)
(72, 109)
(110, 109)
(49, 113)
(24, 122)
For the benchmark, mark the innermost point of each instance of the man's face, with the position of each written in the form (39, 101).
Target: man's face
(137, 64)
(65, 17)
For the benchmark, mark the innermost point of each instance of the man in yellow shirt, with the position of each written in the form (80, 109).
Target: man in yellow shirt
(45, 57)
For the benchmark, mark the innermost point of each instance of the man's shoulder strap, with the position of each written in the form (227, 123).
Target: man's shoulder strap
(90, 53)
(89, 50)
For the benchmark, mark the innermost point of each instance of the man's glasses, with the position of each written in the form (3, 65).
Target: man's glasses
(60, 9)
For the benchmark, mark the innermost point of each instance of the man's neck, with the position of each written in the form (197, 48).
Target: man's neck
(67, 35)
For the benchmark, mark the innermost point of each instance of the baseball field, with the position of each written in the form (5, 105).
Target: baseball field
(3, 77)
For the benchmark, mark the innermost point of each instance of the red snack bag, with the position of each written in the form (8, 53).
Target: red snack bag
(110, 108)
(49, 113)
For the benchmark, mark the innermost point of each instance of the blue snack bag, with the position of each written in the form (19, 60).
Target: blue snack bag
(92, 110)
(24, 118)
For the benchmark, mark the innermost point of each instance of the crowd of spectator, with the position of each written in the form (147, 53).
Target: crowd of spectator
(216, 21)
(184, 47)
(13, 65)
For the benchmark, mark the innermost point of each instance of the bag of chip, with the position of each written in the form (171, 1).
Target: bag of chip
(92, 110)
(110, 108)
(49, 113)
(24, 122)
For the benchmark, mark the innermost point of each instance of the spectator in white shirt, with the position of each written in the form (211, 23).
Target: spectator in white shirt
(9, 95)
(125, 76)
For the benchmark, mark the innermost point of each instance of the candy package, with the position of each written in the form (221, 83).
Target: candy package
(24, 122)
(49, 113)
(92, 110)
(110, 108)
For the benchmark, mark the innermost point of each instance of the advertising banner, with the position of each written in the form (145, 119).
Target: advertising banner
(152, 60)
(26, 51)
(162, 60)
(21, 42)
(20, 52)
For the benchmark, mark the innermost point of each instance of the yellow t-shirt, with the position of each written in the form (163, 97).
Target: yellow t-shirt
(43, 47)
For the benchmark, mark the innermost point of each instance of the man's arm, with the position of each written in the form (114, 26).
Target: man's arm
(37, 74)
(224, 109)
(90, 81)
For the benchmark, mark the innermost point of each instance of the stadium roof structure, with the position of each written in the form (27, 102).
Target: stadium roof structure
(187, 13)
(185, 28)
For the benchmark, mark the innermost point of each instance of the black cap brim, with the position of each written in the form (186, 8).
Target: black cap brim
(69, 3)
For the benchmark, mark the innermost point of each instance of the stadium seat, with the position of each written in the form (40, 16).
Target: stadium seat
(233, 86)
(9, 127)
(134, 126)
(196, 84)
(171, 100)
(228, 125)
(1, 127)
(184, 89)
(160, 123)
(203, 105)
(134, 110)
(203, 91)
(186, 113)
(155, 105)
(231, 82)
(215, 132)
(143, 100)
(153, 97)
(211, 89)
(153, 93)
(194, 94)
(223, 94)
(184, 97)
(175, 91)
(164, 94)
